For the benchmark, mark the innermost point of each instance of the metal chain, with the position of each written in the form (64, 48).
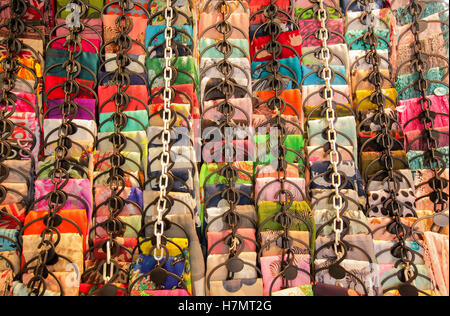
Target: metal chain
(385, 138)
(432, 155)
(60, 173)
(10, 66)
(226, 87)
(422, 85)
(229, 171)
(115, 226)
(166, 136)
(327, 75)
(274, 83)
(286, 218)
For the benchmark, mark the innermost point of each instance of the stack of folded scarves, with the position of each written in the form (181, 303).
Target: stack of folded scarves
(184, 256)
(355, 273)
(121, 155)
(285, 223)
(262, 225)
(55, 231)
(386, 174)
(229, 218)
(424, 135)
(21, 64)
